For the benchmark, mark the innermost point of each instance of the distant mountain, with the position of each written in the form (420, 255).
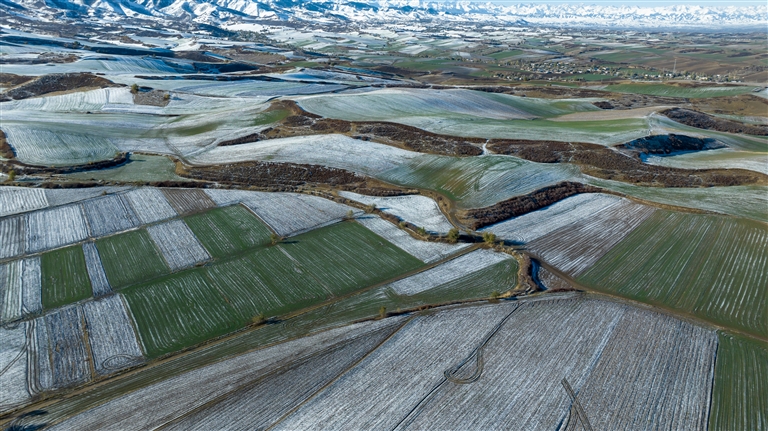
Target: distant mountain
(223, 12)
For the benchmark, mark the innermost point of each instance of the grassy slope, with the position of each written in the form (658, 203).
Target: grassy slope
(64, 277)
(711, 266)
(740, 394)
(227, 231)
(130, 258)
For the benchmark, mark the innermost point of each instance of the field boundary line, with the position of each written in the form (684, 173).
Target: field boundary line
(342, 374)
(659, 308)
(382, 283)
(416, 410)
(281, 367)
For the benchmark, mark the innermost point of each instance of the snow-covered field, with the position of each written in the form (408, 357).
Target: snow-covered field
(149, 204)
(419, 210)
(575, 247)
(448, 271)
(425, 251)
(111, 337)
(13, 367)
(12, 231)
(394, 104)
(46, 147)
(109, 214)
(99, 283)
(332, 150)
(179, 246)
(533, 225)
(288, 214)
(14, 200)
(55, 227)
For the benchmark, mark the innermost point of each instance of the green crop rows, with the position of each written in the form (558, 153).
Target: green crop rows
(711, 266)
(130, 258)
(179, 311)
(499, 277)
(740, 395)
(227, 231)
(64, 277)
(187, 308)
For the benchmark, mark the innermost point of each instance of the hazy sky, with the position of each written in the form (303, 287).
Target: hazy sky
(641, 2)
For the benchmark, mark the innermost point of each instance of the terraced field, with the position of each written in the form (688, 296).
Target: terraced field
(741, 201)
(711, 266)
(740, 395)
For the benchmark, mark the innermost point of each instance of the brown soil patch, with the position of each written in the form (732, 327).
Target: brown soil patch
(270, 176)
(152, 98)
(57, 83)
(704, 121)
(519, 205)
(745, 104)
(11, 80)
(5, 149)
(615, 100)
(25, 169)
(602, 162)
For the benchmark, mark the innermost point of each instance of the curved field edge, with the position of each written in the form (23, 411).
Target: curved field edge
(740, 393)
(713, 267)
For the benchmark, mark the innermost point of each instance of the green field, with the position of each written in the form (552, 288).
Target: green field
(179, 311)
(141, 167)
(711, 266)
(308, 269)
(64, 277)
(740, 394)
(130, 258)
(741, 201)
(270, 281)
(677, 91)
(227, 231)
(346, 256)
(499, 277)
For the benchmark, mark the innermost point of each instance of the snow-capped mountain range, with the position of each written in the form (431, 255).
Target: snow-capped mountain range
(227, 12)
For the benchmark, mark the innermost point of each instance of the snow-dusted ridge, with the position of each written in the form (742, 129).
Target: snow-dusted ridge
(228, 12)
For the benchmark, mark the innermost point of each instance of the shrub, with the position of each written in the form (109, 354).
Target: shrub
(275, 238)
(489, 238)
(453, 236)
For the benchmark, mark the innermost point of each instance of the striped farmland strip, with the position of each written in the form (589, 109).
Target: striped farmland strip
(99, 283)
(178, 244)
